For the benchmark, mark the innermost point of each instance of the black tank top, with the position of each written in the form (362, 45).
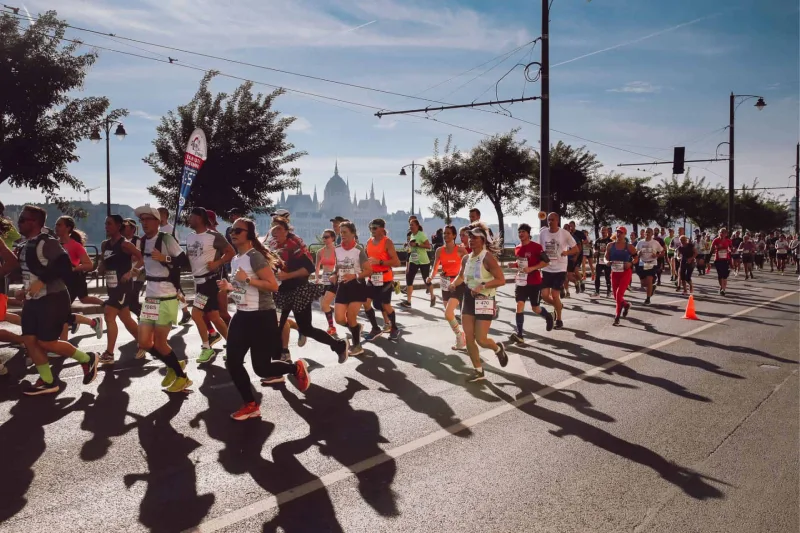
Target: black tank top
(115, 258)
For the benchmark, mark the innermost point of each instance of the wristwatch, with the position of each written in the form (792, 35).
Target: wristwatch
(168, 259)
(247, 280)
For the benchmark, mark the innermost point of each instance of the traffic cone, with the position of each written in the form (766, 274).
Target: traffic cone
(690, 314)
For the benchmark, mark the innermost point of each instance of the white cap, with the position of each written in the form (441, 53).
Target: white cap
(147, 210)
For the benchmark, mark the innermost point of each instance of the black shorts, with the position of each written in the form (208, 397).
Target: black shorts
(381, 295)
(723, 268)
(642, 273)
(120, 296)
(747, 258)
(76, 286)
(351, 292)
(333, 287)
(413, 268)
(206, 295)
(44, 317)
(454, 292)
(553, 280)
(772, 254)
(782, 257)
(686, 270)
(529, 293)
(736, 257)
(468, 307)
(572, 263)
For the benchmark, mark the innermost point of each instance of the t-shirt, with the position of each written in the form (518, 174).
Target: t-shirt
(246, 297)
(75, 251)
(417, 254)
(782, 247)
(771, 242)
(349, 261)
(46, 250)
(600, 247)
(152, 268)
(554, 244)
(579, 237)
(748, 247)
(723, 247)
(167, 228)
(648, 250)
(761, 247)
(295, 256)
(660, 241)
(667, 245)
(529, 255)
(201, 248)
(686, 252)
(735, 244)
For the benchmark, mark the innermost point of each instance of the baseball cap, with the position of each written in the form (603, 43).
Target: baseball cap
(147, 210)
(281, 213)
(212, 218)
(338, 219)
(622, 229)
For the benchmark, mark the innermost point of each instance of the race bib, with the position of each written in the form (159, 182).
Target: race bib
(111, 280)
(722, 254)
(649, 265)
(617, 266)
(326, 277)
(238, 296)
(150, 309)
(200, 301)
(781, 251)
(484, 305)
(587, 250)
(346, 271)
(413, 257)
(444, 282)
(552, 249)
(26, 280)
(377, 279)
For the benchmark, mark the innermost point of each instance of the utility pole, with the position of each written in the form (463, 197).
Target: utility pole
(797, 191)
(544, 143)
(730, 167)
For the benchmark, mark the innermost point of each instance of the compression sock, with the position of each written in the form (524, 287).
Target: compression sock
(45, 373)
(520, 322)
(372, 320)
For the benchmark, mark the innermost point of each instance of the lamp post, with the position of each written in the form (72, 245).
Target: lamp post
(735, 101)
(403, 173)
(120, 133)
(544, 134)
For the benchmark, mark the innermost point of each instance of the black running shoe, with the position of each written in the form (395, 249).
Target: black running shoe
(394, 334)
(559, 324)
(616, 321)
(549, 320)
(563, 293)
(342, 350)
(476, 375)
(405, 303)
(583, 286)
(516, 338)
(214, 338)
(90, 368)
(185, 318)
(40, 387)
(502, 356)
(625, 309)
(647, 301)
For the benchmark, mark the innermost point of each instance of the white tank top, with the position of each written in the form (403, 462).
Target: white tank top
(348, 261)
(476, 273)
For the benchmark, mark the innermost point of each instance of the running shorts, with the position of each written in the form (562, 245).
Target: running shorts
(160, 311)
(351, 292)
(76, 286)
(530, 293)
(723, 268)
(468, 307)
(413, 268)
(381, 295)
(120, 296)
(44, 317)
(747, 258)
(553, 280)
(642, 273)
(454, 292)
(333, 287)
(206, 296)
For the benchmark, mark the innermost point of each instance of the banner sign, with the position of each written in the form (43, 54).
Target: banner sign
(193, 159)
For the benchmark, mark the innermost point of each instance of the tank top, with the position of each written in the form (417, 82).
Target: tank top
(116, 261)
(451, 262)
(378, 251)
(475, 273)
(328, 260)
(618, 257)
(348, 261)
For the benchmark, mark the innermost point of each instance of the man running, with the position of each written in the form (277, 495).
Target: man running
(721, 249)
(603, 269)
(649, 251)
(383, 257)
(657, 236)
(558, 244)
(531, 258)
(129, 232)
(575, 260)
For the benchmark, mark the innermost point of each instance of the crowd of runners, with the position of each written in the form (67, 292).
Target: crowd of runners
(272, 282)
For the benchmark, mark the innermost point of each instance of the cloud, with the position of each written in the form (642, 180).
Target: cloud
(145, 115)
(386, 125)
(773, 86)
(300, 124)
(637, 87)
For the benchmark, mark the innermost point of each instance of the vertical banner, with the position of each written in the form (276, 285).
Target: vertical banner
(193, 159)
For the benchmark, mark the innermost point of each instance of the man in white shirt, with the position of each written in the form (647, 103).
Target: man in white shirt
(649, 252)
(165, 226)
(558, 244)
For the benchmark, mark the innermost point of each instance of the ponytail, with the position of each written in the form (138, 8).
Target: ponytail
(74, 234)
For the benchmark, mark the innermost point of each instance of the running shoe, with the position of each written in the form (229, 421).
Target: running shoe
(616, 321)
(562, 293)
(214, 338)
(722, 292)
(394, 334)
(28, 362)
(608, 294)
(559, 324)
(549, 320)
(74, 327)
(40, 387)
(170, 377)
(302, 375)
(248, 410)
(516, 338)
(356, 349)
(206, 355)
(502, 356)
(286, 356)
(185, 318)
(396, 286)
(274, 380)
(583, 287)
(107, 358)
(566, 295)
(461, 342)
(625, 309)
(140, 353)
(180, 385)
(405, 303)
(387, 328)
(344, 346)
(374, 334)
(595, 294)
(647, 301)
(301, 340)
(476, 375)
(90, 368)
(332, 331)
(98, 327)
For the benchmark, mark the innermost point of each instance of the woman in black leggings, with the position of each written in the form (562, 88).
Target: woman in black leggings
(254, 327)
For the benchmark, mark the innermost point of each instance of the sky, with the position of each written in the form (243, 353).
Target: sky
(632, 77)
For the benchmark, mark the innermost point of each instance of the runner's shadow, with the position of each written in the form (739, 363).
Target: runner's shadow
(740, 349)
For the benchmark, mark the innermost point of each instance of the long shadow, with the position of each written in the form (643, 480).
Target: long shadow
(740, 349)
(171, 502)
(690, 482)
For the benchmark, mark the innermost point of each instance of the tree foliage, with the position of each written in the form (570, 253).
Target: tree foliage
(40, 123)
(756, 212)
(570, 170)
(596, 205)
(445, 180)
(638, 205)
(247, 150)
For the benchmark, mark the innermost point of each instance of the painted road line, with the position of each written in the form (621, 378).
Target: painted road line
(266, 504)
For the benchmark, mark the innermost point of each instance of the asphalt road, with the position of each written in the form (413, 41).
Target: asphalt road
(664, 424)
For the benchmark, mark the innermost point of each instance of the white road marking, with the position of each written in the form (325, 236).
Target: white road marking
(266, 504)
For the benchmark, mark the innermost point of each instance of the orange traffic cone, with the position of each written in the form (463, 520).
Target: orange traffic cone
(690, 314)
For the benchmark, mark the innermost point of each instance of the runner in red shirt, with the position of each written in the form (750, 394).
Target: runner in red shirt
(531, 258)
(721, 250)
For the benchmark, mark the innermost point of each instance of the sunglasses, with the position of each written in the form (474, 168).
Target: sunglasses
(373, 228)
(327, 237)
(237, 231)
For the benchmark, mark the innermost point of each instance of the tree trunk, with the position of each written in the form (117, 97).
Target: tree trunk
(635, 229)
(502, 229)
(596, 229)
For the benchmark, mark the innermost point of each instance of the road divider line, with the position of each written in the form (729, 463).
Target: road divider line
(271, 502)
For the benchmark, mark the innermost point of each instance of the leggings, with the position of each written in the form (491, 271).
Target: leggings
(257, 332)
(605, 271)
(411, 273)
(619, 284)
(303, 319)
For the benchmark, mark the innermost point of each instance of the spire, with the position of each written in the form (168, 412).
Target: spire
(366, 196)
(372, 191)
(336, 168)
(355, 201)
(283, 198)
(315, 197)
(383, 200)
(300, 188)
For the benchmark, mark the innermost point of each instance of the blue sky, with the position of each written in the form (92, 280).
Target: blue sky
(646, 97)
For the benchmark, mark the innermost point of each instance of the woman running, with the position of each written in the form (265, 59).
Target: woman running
(418, 261)
(761, 251)
(326, 262)
(650, 251)
(482, 274)
(686, 256)
(621, 255)
(352, 271)
(747, 250)
(117, 259)
(781, 253)
(73, 242)
(254, 327)
(449, 257)
(736, 255)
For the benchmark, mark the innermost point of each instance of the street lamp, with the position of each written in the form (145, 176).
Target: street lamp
(95, 137)
(735, 101)
(403, 173)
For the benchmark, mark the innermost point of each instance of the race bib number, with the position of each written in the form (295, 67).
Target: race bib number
(200, 301)
(111, 280)
(413, 257)
(551, 248)
(238, 297)
(347, 271)
(150, 309)
(617, 266)
(326, 277)
(587, 250)
(444, 282)
(722, 254)
(377, 279)
(781, 251)
(26, 280)
(484, 305)
(648, 265)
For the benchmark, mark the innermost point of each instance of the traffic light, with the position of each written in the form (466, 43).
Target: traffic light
(677, 159)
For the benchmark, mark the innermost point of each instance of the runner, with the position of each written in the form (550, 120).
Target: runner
(207, 250)
(418, 261)
(117, 258)
(558, 244)
(603, 268)
(449, 257)
(45, 266)
(463, 235)
(781, 253)
(672, 245)
(8, 264)
(721, 247)
(686, 256)
(620, 256)
(588, 258)
(531, 258)
(164, 224)
(129, 232)
(482, 274)
(657, 236)
(772, 252)
(383, 257)
(326, 261)
(649, 251)
(736, 255)
(747, 249)
(352, 269)
(336, 221)
(761, 251)
(222, 299)
(162, 253)
(574, 261)
(254, 326)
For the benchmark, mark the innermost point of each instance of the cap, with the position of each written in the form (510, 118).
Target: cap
(212, 218)
(202, 213)
(147, 210)
(281, 213)
(378, 222)
(622, 229)
(338, 219)
(478, 232)
(129, 222)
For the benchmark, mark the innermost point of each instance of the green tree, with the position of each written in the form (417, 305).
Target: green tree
(570, 170)
(756, 212)
(247, 151)
(679, 199)
(596, 206)
(639, 203)
(499, 168)
(711, 210)
(444, 179)
(41, 123)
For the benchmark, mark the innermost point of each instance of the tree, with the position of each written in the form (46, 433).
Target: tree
(711, 210)
(40, 123)
(639, 203)
(601, 193)
(499, 168)
(247, 151)
(570, 170)
(756, 212)
(679, 200)
(444, 179)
